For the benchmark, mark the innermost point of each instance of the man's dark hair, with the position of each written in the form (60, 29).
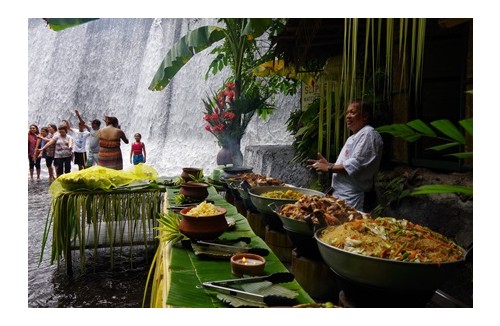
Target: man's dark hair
(366, 106)
(96, 122)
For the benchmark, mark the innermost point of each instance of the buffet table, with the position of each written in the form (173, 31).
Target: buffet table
(178, 273)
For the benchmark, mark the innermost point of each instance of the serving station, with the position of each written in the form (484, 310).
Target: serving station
(179, 272)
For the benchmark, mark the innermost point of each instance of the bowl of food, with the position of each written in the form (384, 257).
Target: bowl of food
(389, 254)
(203, 222)
(279, 195)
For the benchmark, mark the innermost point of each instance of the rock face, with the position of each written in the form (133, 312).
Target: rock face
(275, 161)
(448, 214)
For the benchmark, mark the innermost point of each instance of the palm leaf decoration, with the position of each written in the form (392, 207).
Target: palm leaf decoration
(84, 220)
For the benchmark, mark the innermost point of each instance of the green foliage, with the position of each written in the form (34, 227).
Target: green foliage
(182, 51)
(304, 126)
(58, 24)
(448, 133)
(442, 189)
(392, 193)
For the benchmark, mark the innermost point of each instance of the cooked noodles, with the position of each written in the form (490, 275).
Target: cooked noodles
(387, 237)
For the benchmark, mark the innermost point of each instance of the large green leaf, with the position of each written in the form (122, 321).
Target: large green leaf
(181, 52)
(256, 26)
(447, 128)
(58, 24)
(467, 125)
(400, 130)
(422, 127)
(462, 155)
(440, 189)
(444, 146)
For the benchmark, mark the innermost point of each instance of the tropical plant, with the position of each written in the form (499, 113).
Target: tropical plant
(169, 234)
(451, 137)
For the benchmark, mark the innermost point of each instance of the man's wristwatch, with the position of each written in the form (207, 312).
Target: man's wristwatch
(330, 167)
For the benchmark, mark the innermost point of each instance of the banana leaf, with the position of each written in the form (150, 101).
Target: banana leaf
(179, 273)
(181, 52)
(58, 24)
(447, 128)
(440, 189)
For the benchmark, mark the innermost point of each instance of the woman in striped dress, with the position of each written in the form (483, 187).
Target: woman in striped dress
(110, 154)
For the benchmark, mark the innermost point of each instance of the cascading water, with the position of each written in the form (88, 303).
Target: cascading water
(104, 67)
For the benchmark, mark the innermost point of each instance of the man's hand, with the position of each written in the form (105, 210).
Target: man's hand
(320, 165)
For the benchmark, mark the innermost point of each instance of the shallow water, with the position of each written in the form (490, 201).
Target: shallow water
(100, 286)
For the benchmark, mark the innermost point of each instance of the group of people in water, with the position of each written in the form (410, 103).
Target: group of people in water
(89, 145)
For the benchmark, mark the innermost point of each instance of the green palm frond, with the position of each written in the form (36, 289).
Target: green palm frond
(182, 51)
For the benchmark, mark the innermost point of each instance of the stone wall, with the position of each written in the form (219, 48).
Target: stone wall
(275, 161)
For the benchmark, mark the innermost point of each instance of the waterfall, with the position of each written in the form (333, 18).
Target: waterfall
(104, 67)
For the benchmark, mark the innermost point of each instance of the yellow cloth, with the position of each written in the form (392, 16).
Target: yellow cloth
(98, 177)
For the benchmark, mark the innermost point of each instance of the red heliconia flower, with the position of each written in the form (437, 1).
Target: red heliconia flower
(216, 110)
(228, 115)
(220, 127)
(207, 127)
(206, 117)
(230, 85)
(214, 116)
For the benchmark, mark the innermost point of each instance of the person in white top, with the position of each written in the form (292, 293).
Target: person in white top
(79, 143)
(359, 160)
(92, 141)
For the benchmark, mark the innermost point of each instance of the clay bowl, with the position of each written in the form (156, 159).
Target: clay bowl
(247, 264)
(188, 172)
(203, 227)
(194, 190)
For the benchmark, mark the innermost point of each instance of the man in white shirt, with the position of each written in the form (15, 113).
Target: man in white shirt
(92, 140)
(359, 160)
(80, 146)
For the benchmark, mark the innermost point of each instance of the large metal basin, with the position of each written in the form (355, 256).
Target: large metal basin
(386, 274)
(289, 224)
(262, 203)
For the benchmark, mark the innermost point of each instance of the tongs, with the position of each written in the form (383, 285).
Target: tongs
(181, 206)
(231, 249)
(270, 300)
